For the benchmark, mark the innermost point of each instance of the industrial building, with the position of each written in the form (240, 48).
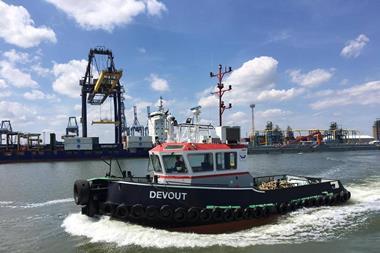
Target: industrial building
(376, 129)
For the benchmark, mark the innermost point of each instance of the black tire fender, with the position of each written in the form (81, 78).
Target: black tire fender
(238, 213)
(266, 211)
(107, 208)
(81, 192)
(138, 211)
(282, 208)
(166, 212)
(258, 212)
(228, 215)
(248, 213)
(122, 211)
(205, 215)
(151, 212)
(193, 214)
(217, 214)
(179, 214)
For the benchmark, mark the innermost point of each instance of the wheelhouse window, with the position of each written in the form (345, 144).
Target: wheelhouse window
(174, 164)
(201, 162)
(226, 161)
(156, 163)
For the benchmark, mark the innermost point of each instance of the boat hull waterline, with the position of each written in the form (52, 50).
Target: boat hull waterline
(200, 208)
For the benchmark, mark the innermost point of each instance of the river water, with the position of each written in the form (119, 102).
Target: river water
(38, 214)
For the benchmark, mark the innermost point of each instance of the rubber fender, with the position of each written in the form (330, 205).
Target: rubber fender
(205, 215)
(193, 214)
(248, 213)
(217, 214)
(138, 211)
(342, 196)
(107, 208)
(151, 212)
(166, 212)
(332, 200)
(282, 208)
(321, 201)
(313, 202)
(306, 202)
(228, 215)
(258, 211)
(299, 204)
(179, 214)
(122, 211)
(266, 211)
(292, 206)
(317, 201)
(338, 198)
(81, 192)
(238, 214)
(325, 200)
(345, 197)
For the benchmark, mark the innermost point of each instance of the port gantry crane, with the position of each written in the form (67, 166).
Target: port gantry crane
(107, 85)
(72, 128)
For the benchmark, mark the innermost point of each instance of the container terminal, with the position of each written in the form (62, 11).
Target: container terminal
(101, 84)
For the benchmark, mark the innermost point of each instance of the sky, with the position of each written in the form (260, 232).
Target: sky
(302, 63)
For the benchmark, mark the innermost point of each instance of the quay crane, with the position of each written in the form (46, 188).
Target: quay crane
(95, 91)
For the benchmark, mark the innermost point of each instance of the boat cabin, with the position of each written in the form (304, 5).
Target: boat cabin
(201, 164)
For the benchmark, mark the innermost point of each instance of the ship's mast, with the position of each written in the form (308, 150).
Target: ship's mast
(220, 91)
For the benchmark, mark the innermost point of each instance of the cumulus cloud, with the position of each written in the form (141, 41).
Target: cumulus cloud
(155, 8)
(312, 78)
(3, 89)
(15, 76)
(5, 93)
(354, 47)
(39, 70)
(280, 95)
(16, 56)
(34, 95)
(68, 76)
(17, 112)
(273, 113)
(322, 93)
(3, 84)
(258, 72)
(107, 14)
(157, 83)
(38, 95)
(17, 27)
(363, 94)
(253, 81)
(237, 118)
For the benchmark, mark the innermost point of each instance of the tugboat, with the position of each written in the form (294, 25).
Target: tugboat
(202, 185)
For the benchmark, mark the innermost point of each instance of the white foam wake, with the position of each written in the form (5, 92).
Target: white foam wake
(12, 204)
(311, 224)
(48, 203)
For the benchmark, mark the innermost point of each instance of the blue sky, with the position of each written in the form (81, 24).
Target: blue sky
(303, 63)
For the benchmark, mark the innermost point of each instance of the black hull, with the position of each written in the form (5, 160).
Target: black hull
(198, 208)
(62, 155)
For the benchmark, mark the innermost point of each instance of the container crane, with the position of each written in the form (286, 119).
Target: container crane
(96, 90)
